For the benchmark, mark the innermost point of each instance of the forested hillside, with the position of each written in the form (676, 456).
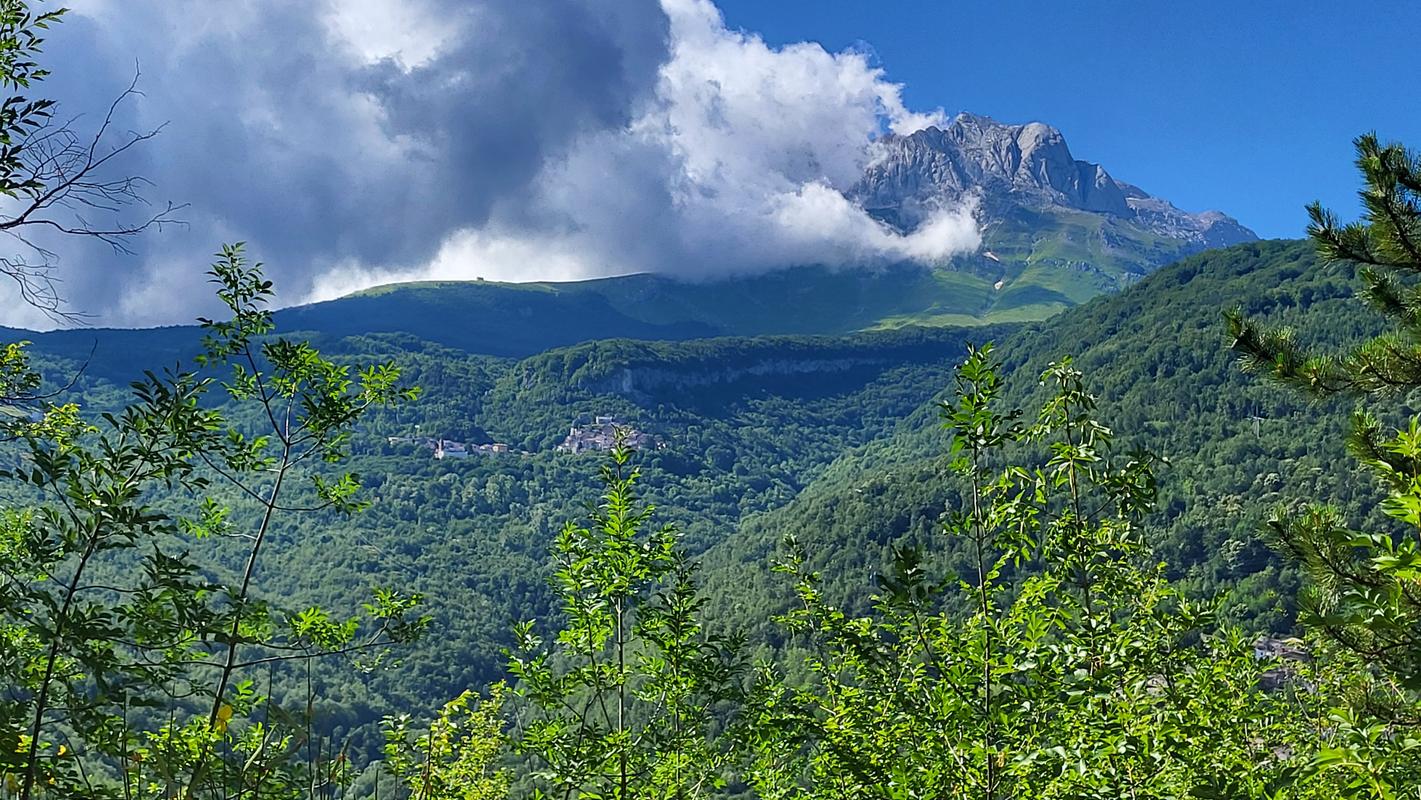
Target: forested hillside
(915, 465)
(1158, 357)
(835, 440)
(745, 425)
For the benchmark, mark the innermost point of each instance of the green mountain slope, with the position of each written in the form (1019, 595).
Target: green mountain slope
(1156, 357)
(746, 423)
(1035, 264)
(519, 319)
(833, 438)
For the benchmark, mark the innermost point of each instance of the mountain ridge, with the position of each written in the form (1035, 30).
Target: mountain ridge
(1027, 164)
(518, 320)
(1057, 231)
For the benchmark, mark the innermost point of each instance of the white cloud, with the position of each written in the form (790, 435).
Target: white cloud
(737, 164)
(467, 255)
(411, 33)
(18, 313)
(354, 142)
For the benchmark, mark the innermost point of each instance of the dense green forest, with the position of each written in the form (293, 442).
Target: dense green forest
(834, 440)
(1157, 357)
(747, 424)
(1163, 544)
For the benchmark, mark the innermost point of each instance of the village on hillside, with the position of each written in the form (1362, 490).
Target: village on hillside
(601, 435)
(448, 448)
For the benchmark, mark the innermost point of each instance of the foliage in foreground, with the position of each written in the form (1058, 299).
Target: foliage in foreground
(1090, 677)
(456, 757)
(130, 667)
(623, 702)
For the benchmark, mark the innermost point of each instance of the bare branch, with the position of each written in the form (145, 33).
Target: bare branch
(59, 181)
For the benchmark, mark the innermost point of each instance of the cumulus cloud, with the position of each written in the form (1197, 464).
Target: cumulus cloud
(352, 144)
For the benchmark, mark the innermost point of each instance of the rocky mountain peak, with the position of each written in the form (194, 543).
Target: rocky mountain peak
(1006, 165)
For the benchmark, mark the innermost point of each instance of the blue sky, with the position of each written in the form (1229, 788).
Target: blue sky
(1247, 106)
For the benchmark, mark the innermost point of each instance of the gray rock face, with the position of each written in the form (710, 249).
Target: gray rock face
(1209, 228)
(1023, 165)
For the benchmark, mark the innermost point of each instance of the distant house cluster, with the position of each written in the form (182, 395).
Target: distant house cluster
(602, 435)
(1287, 654)
(447, 448)
(1280, 648)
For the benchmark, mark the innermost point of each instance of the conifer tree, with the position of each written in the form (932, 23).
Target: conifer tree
(1385, 246)
(1364, 597)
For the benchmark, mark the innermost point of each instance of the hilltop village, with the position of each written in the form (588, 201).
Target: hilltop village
(600, 435)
